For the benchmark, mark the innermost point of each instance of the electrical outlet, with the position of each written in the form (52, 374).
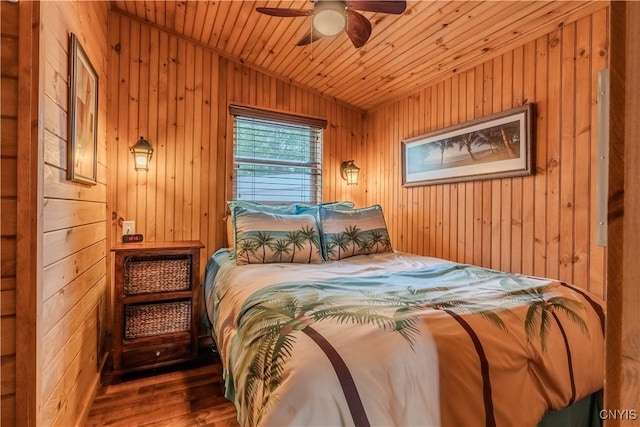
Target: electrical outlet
(128, 227)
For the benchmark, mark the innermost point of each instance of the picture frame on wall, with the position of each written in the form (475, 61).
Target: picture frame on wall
(83, 116)
(496, 146)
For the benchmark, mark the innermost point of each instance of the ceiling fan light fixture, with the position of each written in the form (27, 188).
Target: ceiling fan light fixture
(329, 18)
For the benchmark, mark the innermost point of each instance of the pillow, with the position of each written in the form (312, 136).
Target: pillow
(263, 237)
(315, 211)
(286, 209)
(289, 209)
(356, 232)
(231, 237)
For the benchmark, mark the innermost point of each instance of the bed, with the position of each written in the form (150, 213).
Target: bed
(381, 337)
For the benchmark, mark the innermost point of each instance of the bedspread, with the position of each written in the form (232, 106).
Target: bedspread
(399, 339)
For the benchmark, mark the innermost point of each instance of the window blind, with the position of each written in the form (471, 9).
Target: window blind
(276, 160)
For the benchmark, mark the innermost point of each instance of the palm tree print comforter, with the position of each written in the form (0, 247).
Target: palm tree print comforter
(399, 339)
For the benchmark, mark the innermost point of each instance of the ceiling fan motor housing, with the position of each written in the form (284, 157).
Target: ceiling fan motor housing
(329, 17)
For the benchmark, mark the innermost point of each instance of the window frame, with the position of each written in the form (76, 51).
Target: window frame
(316, 125)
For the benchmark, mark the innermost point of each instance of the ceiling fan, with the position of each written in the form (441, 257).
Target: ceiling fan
(330, 17)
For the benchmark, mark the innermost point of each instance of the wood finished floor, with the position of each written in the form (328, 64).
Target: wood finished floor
(191, 395)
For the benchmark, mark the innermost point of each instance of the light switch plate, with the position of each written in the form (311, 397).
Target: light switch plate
(128, 227)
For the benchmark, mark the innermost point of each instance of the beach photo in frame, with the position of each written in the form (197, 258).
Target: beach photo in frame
(495, 146)
(83, 116)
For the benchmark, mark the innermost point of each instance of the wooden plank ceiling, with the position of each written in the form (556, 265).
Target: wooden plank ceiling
(430, 40)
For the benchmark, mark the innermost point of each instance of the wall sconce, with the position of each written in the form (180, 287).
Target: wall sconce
(349, 172)
(142, 152)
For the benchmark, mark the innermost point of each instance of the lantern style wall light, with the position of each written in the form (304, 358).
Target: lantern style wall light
(349, 172)
(142, 152)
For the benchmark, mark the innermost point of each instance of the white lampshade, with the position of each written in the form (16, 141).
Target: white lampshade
(329, 18)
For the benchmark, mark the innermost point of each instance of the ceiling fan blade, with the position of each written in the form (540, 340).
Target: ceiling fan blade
(358, 28)
(394, 7)
(276, 11)
(309, 37)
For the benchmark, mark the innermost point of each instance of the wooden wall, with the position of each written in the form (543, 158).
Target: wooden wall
(623, 293)
(74, 231)
(542, 225)
(8, 199)
(175, 92)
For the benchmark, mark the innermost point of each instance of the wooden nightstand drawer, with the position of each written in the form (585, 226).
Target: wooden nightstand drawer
(155, 355)
(145, 320)
(143, 274)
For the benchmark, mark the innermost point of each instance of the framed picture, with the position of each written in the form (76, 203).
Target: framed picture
(83, 116)
(496, 146)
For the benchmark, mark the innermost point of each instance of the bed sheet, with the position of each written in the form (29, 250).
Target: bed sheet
(400, 339)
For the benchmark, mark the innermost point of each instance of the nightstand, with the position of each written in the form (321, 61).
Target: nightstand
(155, 315)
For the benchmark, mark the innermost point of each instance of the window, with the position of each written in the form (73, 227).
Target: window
(277, 157)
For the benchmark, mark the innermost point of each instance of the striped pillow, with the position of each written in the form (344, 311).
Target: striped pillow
(286, 209)
(263, 237)
(356, 232)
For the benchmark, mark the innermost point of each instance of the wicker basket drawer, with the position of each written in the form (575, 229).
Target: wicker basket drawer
(150, 356)
(143, 274)
(145, 320)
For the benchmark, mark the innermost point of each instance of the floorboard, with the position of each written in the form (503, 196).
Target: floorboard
(184, 395)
